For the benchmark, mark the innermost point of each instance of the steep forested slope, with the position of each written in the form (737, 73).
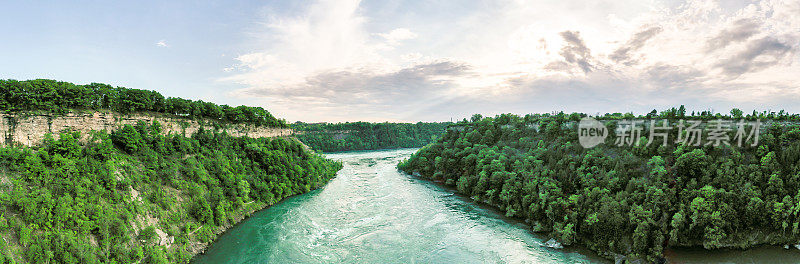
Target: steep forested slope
(136, 195)
(367, 136)
(635, 200)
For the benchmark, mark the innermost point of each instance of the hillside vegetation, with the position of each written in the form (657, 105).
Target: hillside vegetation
(59, 97)
(367, 136)
(634, 200)
(135, 195)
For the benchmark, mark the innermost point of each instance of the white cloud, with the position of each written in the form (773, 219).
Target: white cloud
(397, 35)
(329, 36)
(525, 57)
(162, 43)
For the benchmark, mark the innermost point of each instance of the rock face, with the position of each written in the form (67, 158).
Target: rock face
(29, 128)
(552, 243)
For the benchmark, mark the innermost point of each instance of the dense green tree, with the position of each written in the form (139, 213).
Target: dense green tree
(60, 97)
(367, 136)
(634, 200)
(72, 201)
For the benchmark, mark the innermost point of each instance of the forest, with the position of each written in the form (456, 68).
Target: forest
(57, 97)
(639, 200)
(333, 137)
(116, 197)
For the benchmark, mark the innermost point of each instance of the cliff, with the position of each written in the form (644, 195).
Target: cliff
(134, 196)
(29, 128)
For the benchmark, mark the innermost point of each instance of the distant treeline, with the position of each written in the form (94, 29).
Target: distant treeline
(59, 97)
(367, 136)
(681, 113)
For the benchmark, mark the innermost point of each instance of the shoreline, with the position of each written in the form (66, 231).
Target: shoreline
(580, 249)
(669, 252)
(199, 248)
(239, 219)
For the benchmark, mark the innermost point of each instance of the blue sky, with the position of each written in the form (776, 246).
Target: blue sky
(97, 41)
(396, 60)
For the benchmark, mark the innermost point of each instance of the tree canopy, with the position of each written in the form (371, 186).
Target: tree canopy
(634, 200)
(67, 201)
(367, 136)
(59, 97)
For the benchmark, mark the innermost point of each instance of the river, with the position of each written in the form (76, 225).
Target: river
(371, 213)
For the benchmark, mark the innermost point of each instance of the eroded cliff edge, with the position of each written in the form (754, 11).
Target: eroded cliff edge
(29, 128)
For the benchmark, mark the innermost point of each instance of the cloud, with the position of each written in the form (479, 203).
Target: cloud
(757, 55)
(371, 93)
(162, 43)
(592, 93)
(344, 60)
(329, 36)
(742, 30)
(368, 85)
(622, 54)
(397, 35)
(662, 75)
(575, 52)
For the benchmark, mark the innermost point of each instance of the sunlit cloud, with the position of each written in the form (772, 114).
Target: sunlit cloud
(397, 35)
(339, 60)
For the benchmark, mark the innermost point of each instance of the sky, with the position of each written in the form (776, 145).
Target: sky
(409, 61)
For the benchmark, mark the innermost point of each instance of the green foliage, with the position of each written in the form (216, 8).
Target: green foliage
(680, 113)
(148, 234)
(367, 136)
(60, 97)
(630, 200)
(89, 202)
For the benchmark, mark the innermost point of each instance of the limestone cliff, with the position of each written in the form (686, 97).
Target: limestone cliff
(29, 128)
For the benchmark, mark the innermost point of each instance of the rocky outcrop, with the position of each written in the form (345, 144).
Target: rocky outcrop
(30, 128)
(553, 243)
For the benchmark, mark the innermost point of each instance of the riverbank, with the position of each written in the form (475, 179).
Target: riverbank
(196, 247)
(550, 242)
(201, 248)
(636, 200)
(136, 195)
(739, 253)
